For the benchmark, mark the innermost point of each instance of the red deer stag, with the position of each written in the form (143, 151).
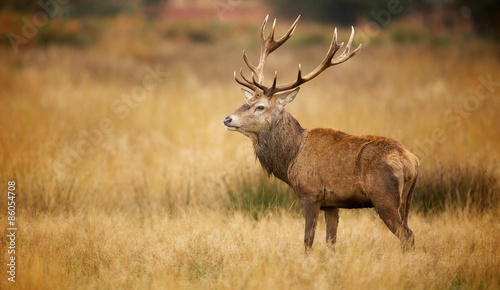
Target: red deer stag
(328, 169)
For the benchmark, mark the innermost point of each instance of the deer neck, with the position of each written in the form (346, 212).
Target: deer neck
(279, 145)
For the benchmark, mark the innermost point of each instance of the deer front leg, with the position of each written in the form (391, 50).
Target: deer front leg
(311, 212)
(332, 221)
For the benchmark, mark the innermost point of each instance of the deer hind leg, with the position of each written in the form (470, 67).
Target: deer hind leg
(311, 212)
(387, 203)
(332, 221)
(393, 221)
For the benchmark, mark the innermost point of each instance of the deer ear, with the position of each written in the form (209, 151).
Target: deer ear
(288, 97)
(247, 93)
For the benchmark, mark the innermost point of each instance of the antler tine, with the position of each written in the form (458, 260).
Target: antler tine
(274, 44)
(271, 34)
(334, 46)
(247, 83)
(289, 33)
(259, 85)
(273, 87)
(251, 66)
(326, 63)
(334, 39)
(299, 75)
(244, 78)
(263, 27)
(347, 54)
(240, 82)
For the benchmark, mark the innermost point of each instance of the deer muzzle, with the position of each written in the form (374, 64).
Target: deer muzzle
(229, 125)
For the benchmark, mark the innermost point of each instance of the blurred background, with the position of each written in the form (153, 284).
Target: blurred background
(111, 125)
(128, 97)
(431, 18)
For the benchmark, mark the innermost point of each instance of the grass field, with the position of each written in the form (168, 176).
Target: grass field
(126, 177)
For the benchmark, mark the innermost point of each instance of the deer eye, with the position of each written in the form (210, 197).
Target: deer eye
(259, 108)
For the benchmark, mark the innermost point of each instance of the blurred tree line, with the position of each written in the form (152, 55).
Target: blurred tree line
(80, 8)
(484, 14)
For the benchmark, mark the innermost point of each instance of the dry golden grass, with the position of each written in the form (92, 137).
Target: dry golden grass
(213, 249)
(149, 206)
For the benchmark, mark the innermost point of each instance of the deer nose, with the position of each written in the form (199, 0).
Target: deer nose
(227, 121)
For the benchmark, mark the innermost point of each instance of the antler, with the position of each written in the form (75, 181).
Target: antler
(268, 45)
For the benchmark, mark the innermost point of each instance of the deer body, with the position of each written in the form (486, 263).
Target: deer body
(328, 169)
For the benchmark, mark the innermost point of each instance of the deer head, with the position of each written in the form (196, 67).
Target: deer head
(265, 104)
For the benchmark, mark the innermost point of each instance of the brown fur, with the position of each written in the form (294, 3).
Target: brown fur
(279, 145)
(328, 169)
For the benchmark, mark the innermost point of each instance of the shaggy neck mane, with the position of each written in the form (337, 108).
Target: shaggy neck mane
(278, 146)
